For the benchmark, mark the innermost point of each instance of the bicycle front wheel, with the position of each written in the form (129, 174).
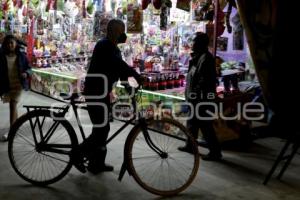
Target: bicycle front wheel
(39, 147)
(154, 160)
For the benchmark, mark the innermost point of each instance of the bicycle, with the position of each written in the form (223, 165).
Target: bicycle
(40, 142)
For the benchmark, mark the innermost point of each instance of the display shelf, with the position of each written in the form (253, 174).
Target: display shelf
(57, 74)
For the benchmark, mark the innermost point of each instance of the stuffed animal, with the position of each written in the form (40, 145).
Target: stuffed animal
(71, 9)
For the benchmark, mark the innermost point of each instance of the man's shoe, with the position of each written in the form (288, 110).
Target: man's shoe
(96, 169)
(77, 159)
(186, 149)
(202, 143)
(212, 157)
(4, 138)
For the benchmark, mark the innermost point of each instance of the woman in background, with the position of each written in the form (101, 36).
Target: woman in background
(14, 74)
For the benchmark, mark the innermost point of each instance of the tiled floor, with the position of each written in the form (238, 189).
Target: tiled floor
(239, 176)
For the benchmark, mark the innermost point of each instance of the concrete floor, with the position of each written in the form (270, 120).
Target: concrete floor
(239, 176)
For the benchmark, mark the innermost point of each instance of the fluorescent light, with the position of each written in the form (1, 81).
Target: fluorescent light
(55, 74)
(163, 95)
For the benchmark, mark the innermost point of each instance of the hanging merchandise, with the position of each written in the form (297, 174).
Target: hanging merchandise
(48, 7)
(1, 12)
(83, 9)
(164, 13)
(184, 5)
(96, 28)
(221, 22)
(222, 43)
(40, 26)
(30, 39)
(60, 5)
(90, 7)
(157, 4)
(98, 4)
(113, 5)
(54, 4)
(134, 18)
(229, 10)
(238, 33)
(19, 4)
(24, 11)
(71, 10)
(100, 23)
(145, 4)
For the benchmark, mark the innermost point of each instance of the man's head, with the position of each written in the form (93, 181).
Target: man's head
(116, 31)
(200, 42)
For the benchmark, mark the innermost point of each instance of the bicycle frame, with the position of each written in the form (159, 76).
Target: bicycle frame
(58, 148)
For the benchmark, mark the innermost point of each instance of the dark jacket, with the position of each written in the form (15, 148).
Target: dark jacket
(106, 61)
(22, 66)
(201, 78)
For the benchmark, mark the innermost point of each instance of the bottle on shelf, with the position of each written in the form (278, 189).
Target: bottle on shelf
(162, 83)
(177, 81)
(182, 79)
(170, 82)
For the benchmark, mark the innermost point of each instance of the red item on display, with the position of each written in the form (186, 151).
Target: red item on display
(153, 86)
(5, 6)
(30, 41)
(48, 7)
(55, 5)
(163, 84)
(181, 78)
(177, 83)
(220, 21)
(145, 4)
(157, 4)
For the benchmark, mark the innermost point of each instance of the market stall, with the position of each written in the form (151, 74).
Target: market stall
(61, 35)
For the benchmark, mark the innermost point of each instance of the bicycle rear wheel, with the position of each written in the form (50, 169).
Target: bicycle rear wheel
(39, 147)
(154, 160)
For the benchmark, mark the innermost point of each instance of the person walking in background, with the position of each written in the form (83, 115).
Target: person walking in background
(106, 68)
(14, 74)
(201, 88)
